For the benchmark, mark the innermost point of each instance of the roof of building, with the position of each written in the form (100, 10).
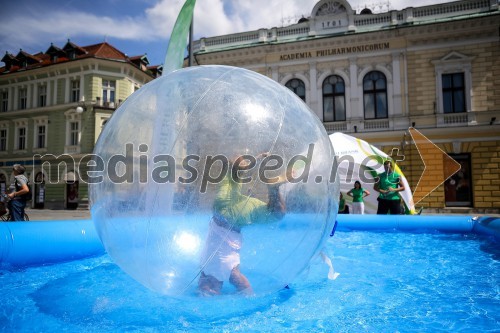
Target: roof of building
(70, 52)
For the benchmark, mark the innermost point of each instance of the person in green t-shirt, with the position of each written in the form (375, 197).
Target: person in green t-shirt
(388, 184)
(357, 194)
(232, 210)
(343, 208)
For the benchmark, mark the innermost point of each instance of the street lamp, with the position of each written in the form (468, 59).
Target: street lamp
(81, 107)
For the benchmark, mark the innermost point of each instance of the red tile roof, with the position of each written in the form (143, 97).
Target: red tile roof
(100, 50)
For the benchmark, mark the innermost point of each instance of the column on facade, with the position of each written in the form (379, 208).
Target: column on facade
(313, 93)
(49, 96)
(396, 83)
(82, 88)
(35, 94)
(66, 89)
(28, 94)
(275, 73)
(356, 107)
(16, 98)
(12, 99)
(55, 91)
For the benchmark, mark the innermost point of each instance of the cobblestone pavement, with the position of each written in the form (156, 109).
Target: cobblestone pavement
(57, 214)
(84, 214)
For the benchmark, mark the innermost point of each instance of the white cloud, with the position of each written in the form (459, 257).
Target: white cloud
(36, 28)
(210, 20)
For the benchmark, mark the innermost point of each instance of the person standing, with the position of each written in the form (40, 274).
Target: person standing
(388, 184)
(233, 211)
(357, 194)
(19, 188)
(343, 208)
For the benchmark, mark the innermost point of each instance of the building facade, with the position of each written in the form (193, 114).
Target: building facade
(435, 68)
(53, 106)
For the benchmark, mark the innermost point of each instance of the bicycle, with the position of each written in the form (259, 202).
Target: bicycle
(5, 214)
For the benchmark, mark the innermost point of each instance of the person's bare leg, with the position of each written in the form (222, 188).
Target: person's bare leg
(276, 203)
(240, 281)
(208, 285)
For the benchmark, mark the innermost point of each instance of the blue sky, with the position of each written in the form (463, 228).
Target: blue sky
(143, 26)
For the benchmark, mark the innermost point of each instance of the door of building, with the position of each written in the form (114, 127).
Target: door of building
(458, 188)
(39, 191)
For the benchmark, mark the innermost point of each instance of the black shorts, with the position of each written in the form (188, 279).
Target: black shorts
(385, 206)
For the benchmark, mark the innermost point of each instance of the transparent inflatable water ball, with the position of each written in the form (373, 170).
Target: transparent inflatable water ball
(213, 180)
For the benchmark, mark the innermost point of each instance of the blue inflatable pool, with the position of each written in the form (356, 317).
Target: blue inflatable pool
(36, 243)
(405, 273)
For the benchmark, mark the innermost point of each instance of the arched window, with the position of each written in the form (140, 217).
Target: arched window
(333, 99)
(375, 95)
(298, 87)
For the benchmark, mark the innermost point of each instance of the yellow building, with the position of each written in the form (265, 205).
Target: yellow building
(53, 106)
(436, 68)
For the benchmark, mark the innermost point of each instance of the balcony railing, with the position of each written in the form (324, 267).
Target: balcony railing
(450, 119)
(335, 127)
(474, 118)
(72, 149)
(376, 124)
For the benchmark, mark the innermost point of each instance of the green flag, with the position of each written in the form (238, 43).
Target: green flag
(178, 39)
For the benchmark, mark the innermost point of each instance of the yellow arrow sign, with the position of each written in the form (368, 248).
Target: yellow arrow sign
(438, 166)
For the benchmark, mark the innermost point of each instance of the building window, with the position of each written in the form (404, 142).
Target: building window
(375, 95)
(334, 99)
(21, 138)
(75, 90)
(458, 188)
(4, 102)
(41, 136)
(3, 139)
(453, 93)
(42, 96)
(108, 92)
(23, 98)
(298, 87)
(74, 133)
(453, 86)
(40, 132)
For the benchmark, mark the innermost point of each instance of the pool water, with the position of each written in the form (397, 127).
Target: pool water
(389, 282)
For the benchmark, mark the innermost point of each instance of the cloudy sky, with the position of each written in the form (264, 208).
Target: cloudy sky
(143, 26)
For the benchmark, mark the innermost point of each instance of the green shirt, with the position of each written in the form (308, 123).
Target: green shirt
(237, 208)
(386, 181)
(341, 205)
(357, 194)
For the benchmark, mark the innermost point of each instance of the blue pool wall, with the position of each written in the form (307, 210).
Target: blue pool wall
(43, 242)
(34, 243)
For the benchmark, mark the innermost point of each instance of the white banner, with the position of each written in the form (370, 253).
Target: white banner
(358, 160)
